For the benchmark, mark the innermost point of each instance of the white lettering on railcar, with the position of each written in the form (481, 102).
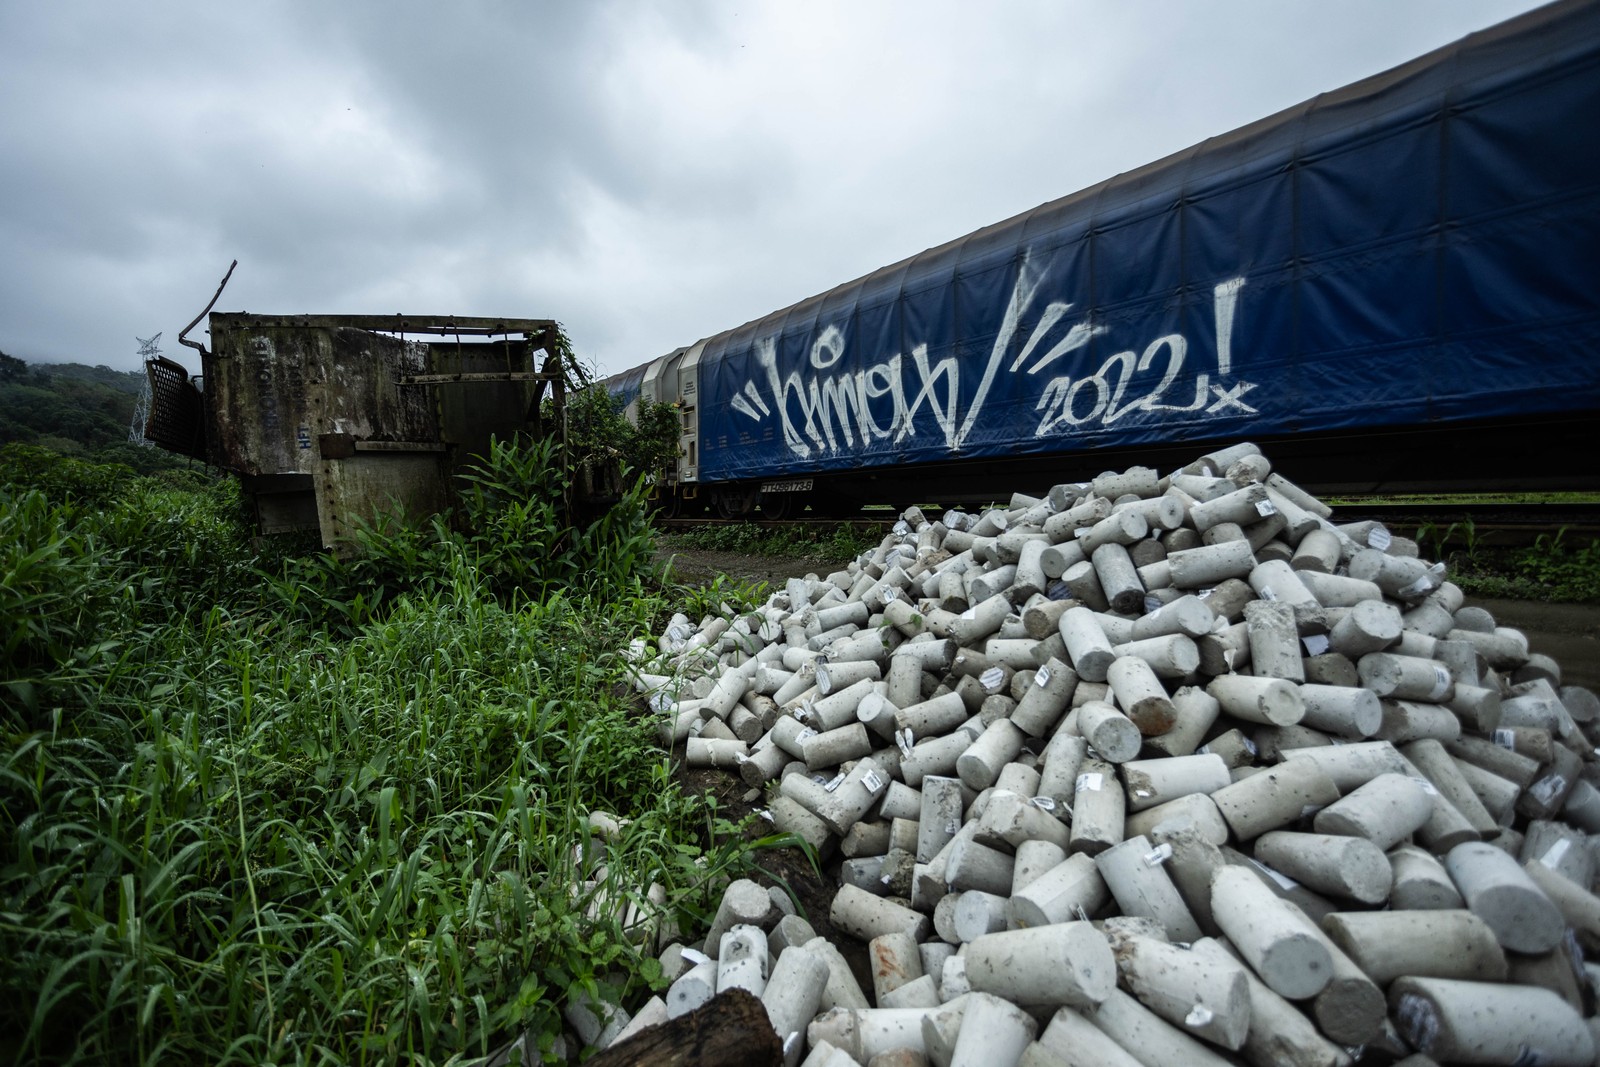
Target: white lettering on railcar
(854, 411)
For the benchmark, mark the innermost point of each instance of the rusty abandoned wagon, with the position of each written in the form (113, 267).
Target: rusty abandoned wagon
(331, 419)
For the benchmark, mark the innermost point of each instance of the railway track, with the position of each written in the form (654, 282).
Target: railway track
(1457, 523)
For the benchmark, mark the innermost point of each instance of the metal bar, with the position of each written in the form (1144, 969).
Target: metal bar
(494, 376)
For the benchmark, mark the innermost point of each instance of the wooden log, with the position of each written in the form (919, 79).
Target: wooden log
(730, 1030)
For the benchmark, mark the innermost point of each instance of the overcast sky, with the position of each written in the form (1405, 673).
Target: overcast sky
(648, 174)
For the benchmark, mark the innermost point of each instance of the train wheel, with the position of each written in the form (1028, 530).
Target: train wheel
(781, 506)
(734, 503)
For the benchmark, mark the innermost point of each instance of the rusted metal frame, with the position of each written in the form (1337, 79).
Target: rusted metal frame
(196, 345)
(443, 325)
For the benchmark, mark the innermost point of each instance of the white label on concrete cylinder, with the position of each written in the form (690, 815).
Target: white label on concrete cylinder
(1379, 538)
(1044, 803)
(970, 613)
(1508, 739)
(1267, 593)
(1198, 1016)
(1202, 594)
(1041, 677)
(1250, 746)
(903, 739)
(1441, 682)
(835, 783)
(1316, 644)
(1282, 879)
(765, 814)
(1554, 853)
(1545, 789)
(1158, 855)
(1416, 588)
(1265, 508)
(872, 781)
(1151, 602)
(992, 679)
(694, 957)
(804, 732)
(1089, 781)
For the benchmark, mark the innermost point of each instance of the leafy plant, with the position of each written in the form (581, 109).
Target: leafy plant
(837, 542)
(232, 833)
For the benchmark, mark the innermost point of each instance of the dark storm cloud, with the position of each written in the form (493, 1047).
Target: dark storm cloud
(648, 174)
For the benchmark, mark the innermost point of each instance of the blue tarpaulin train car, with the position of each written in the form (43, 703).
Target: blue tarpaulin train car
(1396, 284)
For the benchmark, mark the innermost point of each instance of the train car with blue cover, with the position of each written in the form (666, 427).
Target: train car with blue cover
(1392, 285)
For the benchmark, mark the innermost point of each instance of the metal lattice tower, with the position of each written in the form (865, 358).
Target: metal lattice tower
(149, 349)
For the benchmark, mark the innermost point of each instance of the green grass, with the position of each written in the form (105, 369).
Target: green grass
(830, 542)
(246, 819)
(1556, 567)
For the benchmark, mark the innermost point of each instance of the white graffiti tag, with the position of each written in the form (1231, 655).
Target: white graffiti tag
(823, 408)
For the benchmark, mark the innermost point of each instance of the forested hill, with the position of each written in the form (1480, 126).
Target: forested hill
(73, 409)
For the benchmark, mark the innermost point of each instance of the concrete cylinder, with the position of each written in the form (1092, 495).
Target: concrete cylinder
(1084, 585)
(1490, 1022)
(1046, 698)
(983, 761)
(980, 620)
(1035, 857)
(1114, 736)
(744, 903)
(1207, 995)
(1066, 963)
(978, 913)
(1443, 773)
(970, 865)
(1098, 808)
(692, 989)
(853, 797)
(894, 961)
(834, 747)
(1153, 782)
(1341, 711)
(1385, 811)
(940, 819)
(1133, 871)
(864, 916)
(1073, 889)
(1435, 944)
(1076, 1042)
(1087, 645)
(1154, 1041)
(937, 755)
(1500, 893)
(1200, 568)
(1280, 1035)
(993, 1032)
(1010, 820)
(1268, 701)
(1350, 867)
(934, 716)
(1058, 777)
(1421, 882)
(742, 960)
(1406, 677)
(1274, 641)
(1197, 711)
(793, 995)
(1141, 695)
(1119, 578)
(1274, 798)
(1369, 626)
(1272, 935)
(1197, 812)
(1120, 528)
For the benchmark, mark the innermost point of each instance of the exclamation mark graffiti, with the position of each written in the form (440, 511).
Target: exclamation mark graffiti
(1224, 302)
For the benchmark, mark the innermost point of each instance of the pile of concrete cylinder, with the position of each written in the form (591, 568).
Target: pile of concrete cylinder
(1152, 770)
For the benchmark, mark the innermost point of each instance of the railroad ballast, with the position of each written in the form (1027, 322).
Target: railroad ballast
(1392, 283)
